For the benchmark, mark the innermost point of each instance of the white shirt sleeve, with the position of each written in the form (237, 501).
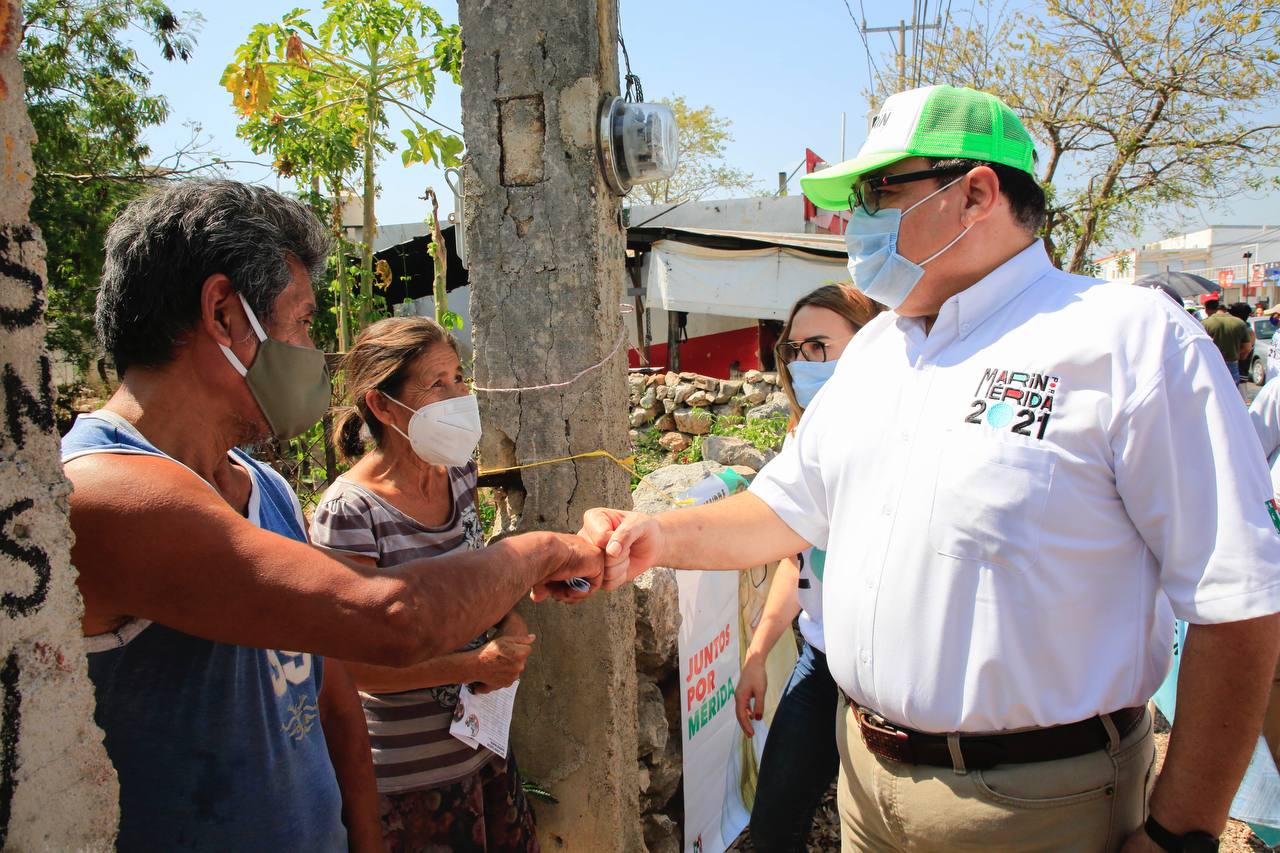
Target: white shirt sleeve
(1189, 470)
(1265, 414)
(791, 484)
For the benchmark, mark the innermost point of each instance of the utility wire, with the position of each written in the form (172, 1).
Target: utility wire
(866, 48)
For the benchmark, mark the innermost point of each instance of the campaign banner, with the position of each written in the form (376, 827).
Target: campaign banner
(718, 613)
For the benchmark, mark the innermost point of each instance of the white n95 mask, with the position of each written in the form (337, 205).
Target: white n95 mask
(445, 432)
(877, 268)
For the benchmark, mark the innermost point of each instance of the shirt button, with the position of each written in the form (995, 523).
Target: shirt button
(964, 327)
(866, 657)
(870, 584)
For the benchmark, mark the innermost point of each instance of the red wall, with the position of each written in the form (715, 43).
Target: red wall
(711, 355)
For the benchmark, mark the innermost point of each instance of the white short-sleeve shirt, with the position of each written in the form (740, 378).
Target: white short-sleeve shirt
(1015, 505)
(1265, 414)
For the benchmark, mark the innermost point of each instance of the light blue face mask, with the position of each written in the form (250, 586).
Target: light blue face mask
(807, 377)
(877, 268)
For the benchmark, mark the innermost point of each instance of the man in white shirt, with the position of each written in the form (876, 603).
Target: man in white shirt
(1019, 477)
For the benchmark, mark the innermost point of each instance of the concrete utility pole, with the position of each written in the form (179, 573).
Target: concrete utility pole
(546, 264)
(901, 30)
(57, 789)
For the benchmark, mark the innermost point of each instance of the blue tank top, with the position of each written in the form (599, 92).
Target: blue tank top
(218, 747)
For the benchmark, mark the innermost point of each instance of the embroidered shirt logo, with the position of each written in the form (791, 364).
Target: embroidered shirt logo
(1274, 509)
(1018, 400)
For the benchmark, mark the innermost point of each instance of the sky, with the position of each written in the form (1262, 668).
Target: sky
(782, 73)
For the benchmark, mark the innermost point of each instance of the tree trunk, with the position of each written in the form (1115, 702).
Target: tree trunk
(369, 222)
(58, 790)
(546, 263)
(340, 269)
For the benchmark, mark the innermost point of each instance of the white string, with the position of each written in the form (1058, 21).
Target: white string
(622, 339)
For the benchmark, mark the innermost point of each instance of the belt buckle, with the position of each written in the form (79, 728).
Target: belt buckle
(882, 738)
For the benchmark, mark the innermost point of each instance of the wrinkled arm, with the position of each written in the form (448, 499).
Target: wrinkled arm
(153, 541)
(347, 738)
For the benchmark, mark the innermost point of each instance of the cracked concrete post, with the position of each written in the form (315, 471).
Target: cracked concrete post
(57, 788)
(545, 260)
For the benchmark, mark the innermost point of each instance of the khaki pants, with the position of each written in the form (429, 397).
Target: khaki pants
(1089, 803)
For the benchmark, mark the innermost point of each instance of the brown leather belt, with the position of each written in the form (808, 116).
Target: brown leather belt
(980, 752)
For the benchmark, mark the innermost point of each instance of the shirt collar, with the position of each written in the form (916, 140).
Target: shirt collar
(980, 300)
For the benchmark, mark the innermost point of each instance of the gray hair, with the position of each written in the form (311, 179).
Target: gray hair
(163, 247)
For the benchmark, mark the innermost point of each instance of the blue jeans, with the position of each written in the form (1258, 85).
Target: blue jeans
(800, 758)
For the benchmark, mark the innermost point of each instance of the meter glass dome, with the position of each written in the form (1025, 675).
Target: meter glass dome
(639, 143)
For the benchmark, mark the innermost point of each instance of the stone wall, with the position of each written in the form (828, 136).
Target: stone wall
(683, 405)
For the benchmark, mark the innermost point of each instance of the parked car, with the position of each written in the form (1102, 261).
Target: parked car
(1254, 368)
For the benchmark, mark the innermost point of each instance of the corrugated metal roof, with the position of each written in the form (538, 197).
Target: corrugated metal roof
(827, 244)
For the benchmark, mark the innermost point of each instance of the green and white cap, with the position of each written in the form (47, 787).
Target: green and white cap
(934, 121)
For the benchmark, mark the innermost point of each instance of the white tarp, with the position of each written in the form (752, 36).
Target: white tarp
(754, 283)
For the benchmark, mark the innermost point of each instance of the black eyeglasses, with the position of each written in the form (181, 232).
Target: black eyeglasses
(866, 192)
(810, 349)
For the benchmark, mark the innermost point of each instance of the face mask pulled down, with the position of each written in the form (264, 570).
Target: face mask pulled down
(290, 383)
(445, 432)
(877, 268)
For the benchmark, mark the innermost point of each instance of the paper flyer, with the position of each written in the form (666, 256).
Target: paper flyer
(484, 719)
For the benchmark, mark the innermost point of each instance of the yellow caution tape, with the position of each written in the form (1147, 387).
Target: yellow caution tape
(626, 463)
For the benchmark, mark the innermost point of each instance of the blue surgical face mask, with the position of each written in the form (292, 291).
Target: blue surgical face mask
(807, 377)
(877, 268)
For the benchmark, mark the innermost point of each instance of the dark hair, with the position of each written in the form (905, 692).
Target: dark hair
(852, 304)
(377, 362)
(1211, 305)
(1026, 197)
(1241, 310)
(163, 247)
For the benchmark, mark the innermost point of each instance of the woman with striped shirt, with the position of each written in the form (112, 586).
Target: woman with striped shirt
(411, 496)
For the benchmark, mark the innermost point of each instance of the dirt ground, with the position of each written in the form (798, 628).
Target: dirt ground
(825, 834)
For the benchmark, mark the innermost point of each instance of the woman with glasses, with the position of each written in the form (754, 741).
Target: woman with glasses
(800, 758)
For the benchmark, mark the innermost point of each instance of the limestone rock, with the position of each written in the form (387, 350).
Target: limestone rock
(699, 398)
(733, 409)
(636, 383)
(665, 772)
(770, 378)
(661, 834)
(693, 421)
(651, 719)
(732, 451)
(671, 480)
(753, 376)
(665, 422)
(669, 405)
(687, 376)
(661, 391)
(671, 379)
(640, 417)
(649, 399)
(675, 442)
(773, 408)
(706, 383)
(747, 473)
(634, 435)
(755, 392)
(683, 392)
(657, 612)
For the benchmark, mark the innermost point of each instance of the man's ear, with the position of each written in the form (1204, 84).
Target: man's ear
(221, 315)
(981, 195)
